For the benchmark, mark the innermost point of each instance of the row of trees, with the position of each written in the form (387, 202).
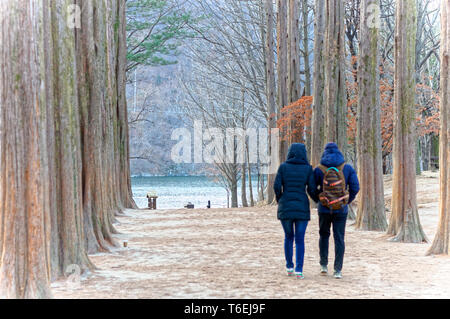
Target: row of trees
(64, 158)
(253, 58)
(64, 168)
(404, 222)
(375, 88)
(233, 81)
(225, 85)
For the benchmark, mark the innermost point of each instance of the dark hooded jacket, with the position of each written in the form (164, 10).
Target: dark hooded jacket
(294, 177)
(332, 157)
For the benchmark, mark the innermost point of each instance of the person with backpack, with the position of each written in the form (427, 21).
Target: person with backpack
(294, 178)
(338, 186)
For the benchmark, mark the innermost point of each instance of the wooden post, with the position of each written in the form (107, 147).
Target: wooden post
(152, 202)
(151, 195)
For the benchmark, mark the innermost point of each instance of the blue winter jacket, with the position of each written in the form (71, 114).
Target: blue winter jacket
(293, 178)
(332, 157)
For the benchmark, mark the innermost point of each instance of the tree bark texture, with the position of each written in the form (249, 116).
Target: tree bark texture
(441, 241)
(270, 90)
(282, 67)
(64, 138)
(335, 96)
(24, 213)
(404, 222)
(318, 113)
(371, 212)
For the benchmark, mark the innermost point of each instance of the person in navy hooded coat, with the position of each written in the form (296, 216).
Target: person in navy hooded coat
(295, 177)
(332, 157)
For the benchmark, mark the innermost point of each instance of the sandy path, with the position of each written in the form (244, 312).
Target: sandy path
(237, 253)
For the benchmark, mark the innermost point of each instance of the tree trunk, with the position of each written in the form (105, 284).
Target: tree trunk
(306, 47)
(234, 192)
(270, 93)
(50, 159)
(371, 213)
(261, 197)
(318, 114)
(351, 213)
(307, 89)
(66, 88)
(68, 233)
(96, 107)
(24, 214)
(124, 174)
(282, 69)
(404, 222)
(250, 184)
(244, 185)
(244, 151)
(293, 66)
(293, 53)
(425, 144)
(441, 241)
(335, 98)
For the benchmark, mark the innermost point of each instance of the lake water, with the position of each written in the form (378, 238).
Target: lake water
(176, 191)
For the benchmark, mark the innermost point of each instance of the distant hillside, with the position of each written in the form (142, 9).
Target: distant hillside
(157, 107)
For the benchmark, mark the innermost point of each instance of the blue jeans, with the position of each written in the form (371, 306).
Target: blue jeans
(338, 220)
(294, 230)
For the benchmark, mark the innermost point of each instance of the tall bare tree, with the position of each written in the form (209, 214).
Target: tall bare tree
(293, 54)
(270, 86)
(305, 54)
(68, 233)
(293, 64)
(371, 212)
(335, 96)
(64, 139)
(282, 66)
(24, 216)
(305, 51)
(318, 114)
(441, 241)
(227, 59)
(404, 222)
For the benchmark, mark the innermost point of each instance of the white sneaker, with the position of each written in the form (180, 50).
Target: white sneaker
(290, 272)
(299, 275)
(338, 275)
(323, 270)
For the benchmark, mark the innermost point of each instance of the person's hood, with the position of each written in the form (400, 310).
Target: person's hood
(332, 156)
(297, 154)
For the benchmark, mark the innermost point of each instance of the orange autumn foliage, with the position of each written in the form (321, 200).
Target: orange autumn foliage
(295, 120)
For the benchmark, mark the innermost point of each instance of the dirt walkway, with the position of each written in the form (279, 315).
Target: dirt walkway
(237, 253)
